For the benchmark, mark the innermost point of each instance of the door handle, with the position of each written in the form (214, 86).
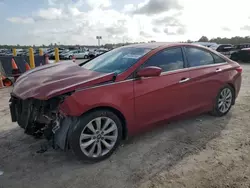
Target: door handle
(184, 80)
(218, 70)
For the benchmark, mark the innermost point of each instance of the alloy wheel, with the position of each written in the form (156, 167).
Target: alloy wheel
(225, 100)
(98, 137)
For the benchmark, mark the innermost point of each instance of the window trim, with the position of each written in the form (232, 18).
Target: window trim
(205, 50)
(164, 72)
(213, 54)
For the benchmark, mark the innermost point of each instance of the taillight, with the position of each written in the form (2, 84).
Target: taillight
(239, 69)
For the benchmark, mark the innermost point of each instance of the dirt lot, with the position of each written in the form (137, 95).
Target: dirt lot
(198, 152)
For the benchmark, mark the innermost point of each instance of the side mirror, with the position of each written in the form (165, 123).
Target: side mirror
(149, 71)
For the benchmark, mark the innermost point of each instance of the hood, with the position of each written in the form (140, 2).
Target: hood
(54, 79)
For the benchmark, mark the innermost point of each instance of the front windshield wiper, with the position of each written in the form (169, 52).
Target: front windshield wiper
(83, 63)
(115, 76)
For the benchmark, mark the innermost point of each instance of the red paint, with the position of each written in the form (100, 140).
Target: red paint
(55, 79)
(144, 101)
(149, 71)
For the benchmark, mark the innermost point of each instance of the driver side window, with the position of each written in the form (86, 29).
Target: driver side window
(167, 59)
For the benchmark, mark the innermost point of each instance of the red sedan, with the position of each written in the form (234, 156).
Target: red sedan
(91, 107)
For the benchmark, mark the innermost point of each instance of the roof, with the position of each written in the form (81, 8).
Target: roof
(205, 43)
(245, 49)
(154, 45)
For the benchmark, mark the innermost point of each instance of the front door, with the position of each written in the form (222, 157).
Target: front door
(159, 98)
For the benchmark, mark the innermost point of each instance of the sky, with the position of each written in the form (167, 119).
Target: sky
(36, 22)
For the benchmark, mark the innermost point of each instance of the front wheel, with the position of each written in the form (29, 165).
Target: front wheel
(224, 101)
(85, 57)
(96, 135)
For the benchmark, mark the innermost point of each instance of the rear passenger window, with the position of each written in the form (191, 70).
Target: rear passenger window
(218, 59)
(168, 60)
(197, 57)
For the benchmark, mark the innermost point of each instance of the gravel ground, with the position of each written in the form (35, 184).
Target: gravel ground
(202, 151)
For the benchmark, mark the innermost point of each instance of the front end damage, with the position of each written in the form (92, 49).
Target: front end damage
(43, 119)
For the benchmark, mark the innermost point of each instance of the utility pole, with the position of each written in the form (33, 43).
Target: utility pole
(99, 39)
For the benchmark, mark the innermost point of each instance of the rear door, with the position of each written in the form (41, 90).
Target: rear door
(159, 98)
(208, 73)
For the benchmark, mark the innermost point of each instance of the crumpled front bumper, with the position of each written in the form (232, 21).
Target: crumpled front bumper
(20, 110)
(13, 107)
(60, 134)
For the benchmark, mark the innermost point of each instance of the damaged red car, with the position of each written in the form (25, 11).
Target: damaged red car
(89, 108)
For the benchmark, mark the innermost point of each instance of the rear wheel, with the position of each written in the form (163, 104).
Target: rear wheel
(224, 101)
(96, 135)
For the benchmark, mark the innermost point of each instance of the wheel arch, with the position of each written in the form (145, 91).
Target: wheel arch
(116, 112)
(232, 86)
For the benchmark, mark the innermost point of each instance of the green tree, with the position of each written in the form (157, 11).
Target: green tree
(203, 39)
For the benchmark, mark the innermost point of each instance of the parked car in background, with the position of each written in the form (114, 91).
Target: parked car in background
(206, 44)
(225, 49)
(241, 55)
(89, 108)
(51, 53)
(241, 46)
(5, 52)
(99, 52)
(36, 53)
(20, 52)
(69, 54)
(81, 55)
(64, 51)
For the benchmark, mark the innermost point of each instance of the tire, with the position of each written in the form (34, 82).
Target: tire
(85, 57)
(217, 110)
(91, 56)
(76, 136)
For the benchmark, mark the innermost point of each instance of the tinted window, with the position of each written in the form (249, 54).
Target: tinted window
(168, 60)
(117, 60)
(218, 59)
(197, 57)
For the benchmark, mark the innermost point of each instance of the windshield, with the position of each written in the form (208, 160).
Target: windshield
(117, 60)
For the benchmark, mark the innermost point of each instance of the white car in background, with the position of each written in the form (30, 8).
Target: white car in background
(20, 52)
(68, 55)
(51, 53)
(81, 55)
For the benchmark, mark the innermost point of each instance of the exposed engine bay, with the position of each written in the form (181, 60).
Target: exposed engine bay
(42, 119)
